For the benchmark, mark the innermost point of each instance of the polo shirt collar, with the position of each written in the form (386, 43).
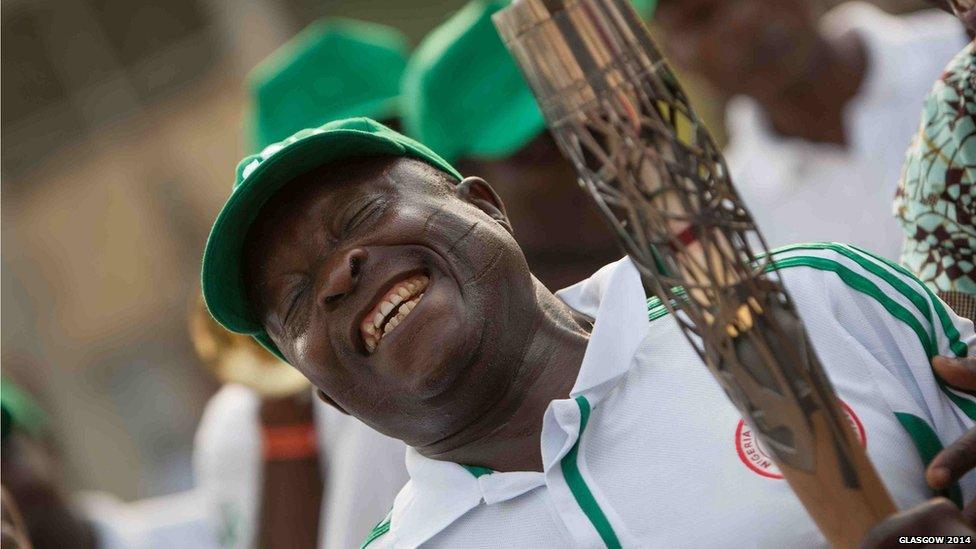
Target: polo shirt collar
(615, 297)
(440, 492)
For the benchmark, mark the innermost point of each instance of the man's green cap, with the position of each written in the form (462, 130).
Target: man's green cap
(335, 68)
(463, 94)
(259, 177)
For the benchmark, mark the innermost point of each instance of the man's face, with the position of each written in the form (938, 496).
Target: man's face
(402, 298)
(753, 47)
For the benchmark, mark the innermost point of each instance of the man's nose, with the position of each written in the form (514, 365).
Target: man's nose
(340, 275)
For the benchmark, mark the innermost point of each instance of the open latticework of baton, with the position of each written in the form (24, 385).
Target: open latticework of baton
(651, 167)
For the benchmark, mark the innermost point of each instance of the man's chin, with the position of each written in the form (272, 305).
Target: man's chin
(431, 371)
(426, 353)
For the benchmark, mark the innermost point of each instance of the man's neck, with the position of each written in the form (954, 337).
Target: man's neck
(812, 108)
(507, 437)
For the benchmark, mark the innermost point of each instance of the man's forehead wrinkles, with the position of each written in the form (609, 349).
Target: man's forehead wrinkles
(415, 171)
(389, 177)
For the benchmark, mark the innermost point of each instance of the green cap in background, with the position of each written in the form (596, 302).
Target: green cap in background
(335, 68)
(463, 94)
(259, 177)
(19, 411)
(644, 8)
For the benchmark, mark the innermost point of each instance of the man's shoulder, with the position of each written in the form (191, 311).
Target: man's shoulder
(848, 276)
(840, 274)
(865, 292)
(843, 267)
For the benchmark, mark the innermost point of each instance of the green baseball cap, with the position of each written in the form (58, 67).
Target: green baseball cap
(259, 177)
(335, 68)
(463, 94)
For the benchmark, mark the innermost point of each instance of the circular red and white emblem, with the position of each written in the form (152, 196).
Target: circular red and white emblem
(757, 459)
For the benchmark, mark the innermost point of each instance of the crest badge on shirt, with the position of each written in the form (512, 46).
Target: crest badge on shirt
(758, 459)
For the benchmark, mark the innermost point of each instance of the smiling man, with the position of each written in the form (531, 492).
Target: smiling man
(534, 419)
(333, 69)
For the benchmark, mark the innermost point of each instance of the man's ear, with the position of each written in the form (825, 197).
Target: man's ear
(325, 398)
(478, 192)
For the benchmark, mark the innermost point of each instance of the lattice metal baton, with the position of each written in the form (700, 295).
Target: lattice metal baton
(648, 162)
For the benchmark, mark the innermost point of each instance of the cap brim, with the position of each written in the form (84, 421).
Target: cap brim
(221, 277)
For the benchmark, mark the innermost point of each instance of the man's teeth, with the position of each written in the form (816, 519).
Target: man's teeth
(398, 302)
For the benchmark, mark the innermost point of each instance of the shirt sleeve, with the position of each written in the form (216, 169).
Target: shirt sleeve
(878, 324)
(900, 318)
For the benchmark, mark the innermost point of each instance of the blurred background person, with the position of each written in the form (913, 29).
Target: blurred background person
(265, 446)
(465, 98)
(255, 455)
(822, 106)
(31, 476)
(32, 473)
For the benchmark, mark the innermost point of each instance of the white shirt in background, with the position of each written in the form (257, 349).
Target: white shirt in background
(799, 191)
(177, 520)
(362, 470)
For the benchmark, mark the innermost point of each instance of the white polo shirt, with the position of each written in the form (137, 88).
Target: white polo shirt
(647, 451)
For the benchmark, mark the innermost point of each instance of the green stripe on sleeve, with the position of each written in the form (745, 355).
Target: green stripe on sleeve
(574, 479)
(952, 333)
(857, 255)
(897, 283)
(967, 406)
(865, 286)
(862, 284)
(928, 445)
(656, 309)
(956, 345)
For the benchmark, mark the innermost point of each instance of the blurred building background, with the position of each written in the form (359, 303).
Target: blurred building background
(121, 125)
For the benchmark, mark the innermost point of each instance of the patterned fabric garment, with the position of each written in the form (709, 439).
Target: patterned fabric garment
(936, 200)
